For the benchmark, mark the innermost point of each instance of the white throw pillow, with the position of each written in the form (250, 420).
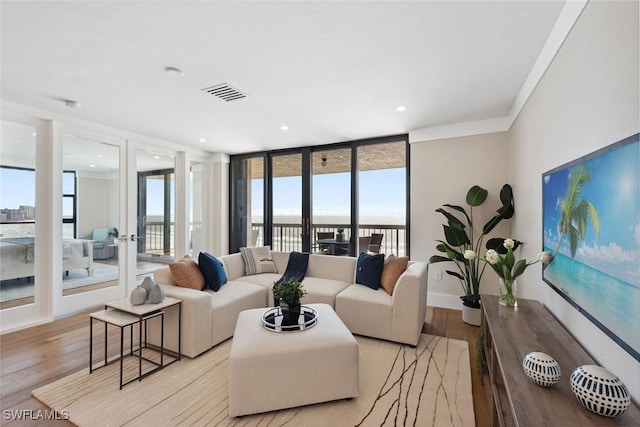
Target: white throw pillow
(258, 260)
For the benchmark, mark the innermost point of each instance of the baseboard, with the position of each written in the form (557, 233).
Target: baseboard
(444, 300)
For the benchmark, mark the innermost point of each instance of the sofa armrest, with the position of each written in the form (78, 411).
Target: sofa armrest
(196, 322)
(409, 302)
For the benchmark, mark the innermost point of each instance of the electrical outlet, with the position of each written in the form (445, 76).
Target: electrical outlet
(438, 275)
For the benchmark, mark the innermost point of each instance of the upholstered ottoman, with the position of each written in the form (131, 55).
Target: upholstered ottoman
(276, 370)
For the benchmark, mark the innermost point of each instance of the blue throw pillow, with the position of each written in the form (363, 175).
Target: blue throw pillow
(369, 270)
(212, 270)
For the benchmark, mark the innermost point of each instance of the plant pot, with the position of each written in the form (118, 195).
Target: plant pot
(290, 314)
(471, 316)
(339, 237)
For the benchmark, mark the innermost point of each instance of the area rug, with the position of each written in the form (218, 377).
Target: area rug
(429, 385)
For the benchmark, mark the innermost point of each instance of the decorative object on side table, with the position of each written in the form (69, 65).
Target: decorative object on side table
(340, 235)
(462, 247)
(599, 390)
(508, 269)
(156, 296)
(289, 293)
(541, 368)
(138, 296)
(147, 284)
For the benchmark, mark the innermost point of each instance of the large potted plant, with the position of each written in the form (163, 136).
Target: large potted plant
(463, 242)
(289, 293)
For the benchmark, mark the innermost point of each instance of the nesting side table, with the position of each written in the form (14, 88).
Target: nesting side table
(123, 314)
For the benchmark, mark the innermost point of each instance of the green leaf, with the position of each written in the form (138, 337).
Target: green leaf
(453, 220)
(506, 197)
(441, 248)
(496, 243)
(518, 268)
(506, 272)
(509, 259)
(437, 258)
(455, 236)
(505, 212)
(471, 300)
(476, 196)
(459, 209)
(456, 274)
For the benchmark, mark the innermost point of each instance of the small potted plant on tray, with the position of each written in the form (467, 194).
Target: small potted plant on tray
(289, 293)
(340, 236)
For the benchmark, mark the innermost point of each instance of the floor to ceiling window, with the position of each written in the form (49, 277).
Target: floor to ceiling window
(382, 195)
(247, 202)
(325, 192)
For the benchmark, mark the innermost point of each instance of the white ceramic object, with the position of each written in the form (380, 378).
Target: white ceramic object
(541, 368)
(138, 296)
(471, 316)
(156, 296)
(599, 390)
(147, 284)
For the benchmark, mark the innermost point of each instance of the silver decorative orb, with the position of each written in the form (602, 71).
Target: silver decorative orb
(541, 368)
(599, 390)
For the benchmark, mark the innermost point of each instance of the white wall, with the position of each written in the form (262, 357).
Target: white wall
(98, 203)
(588, 99)
(442, 171)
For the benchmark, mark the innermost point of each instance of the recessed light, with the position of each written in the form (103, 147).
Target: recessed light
(156, 157)
(34, 134)
(203, 140)
(92, 166)
(174, 72)
(72, 104)
(284, 127)
(99, 156)
(401, 108)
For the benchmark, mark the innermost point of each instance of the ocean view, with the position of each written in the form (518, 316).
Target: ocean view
(614, 301)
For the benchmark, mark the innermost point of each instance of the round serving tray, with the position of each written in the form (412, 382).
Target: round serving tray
(272, 320)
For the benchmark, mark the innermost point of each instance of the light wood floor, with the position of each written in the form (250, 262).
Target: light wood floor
(37, 356)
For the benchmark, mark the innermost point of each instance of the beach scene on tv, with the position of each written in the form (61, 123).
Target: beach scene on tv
(591, 223)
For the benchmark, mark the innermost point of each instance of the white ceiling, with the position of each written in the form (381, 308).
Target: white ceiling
(332, 71)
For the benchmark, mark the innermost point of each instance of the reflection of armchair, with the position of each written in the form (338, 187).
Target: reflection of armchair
(102, 238)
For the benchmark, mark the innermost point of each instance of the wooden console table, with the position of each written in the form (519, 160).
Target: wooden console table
(509, 335)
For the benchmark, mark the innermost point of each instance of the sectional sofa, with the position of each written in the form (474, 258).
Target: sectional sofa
(209, 317)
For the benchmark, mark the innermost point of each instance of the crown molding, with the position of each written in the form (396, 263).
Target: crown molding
(567, 19)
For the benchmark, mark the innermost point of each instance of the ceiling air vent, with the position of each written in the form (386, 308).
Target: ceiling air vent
(225, 92)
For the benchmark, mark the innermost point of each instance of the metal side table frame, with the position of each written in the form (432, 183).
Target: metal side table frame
(123, 314)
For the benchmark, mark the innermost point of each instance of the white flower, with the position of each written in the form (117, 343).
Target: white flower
(469, 254)
(508, 243)
(491, 256)
(545, 257)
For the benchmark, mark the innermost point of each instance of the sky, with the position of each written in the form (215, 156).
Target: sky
(614, 190)
(382, 194)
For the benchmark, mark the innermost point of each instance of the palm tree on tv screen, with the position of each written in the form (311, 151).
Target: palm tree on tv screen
(575, 215)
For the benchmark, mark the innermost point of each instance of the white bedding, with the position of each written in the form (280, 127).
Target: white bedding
(17, 256)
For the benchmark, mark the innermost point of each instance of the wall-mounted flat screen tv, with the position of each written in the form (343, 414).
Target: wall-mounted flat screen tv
(591, 223)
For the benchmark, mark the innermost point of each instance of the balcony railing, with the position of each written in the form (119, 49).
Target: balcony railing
(288, 237)
(154, 239)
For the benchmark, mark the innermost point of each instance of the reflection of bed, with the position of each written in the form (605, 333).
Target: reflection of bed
(17, 256)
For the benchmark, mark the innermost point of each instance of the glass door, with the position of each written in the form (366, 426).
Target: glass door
(90, 215)
(331, 204)
(18, 279)
(247, 222)
(156, 206)
(290, 230)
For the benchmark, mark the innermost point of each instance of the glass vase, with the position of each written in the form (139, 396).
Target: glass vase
(508, 294)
